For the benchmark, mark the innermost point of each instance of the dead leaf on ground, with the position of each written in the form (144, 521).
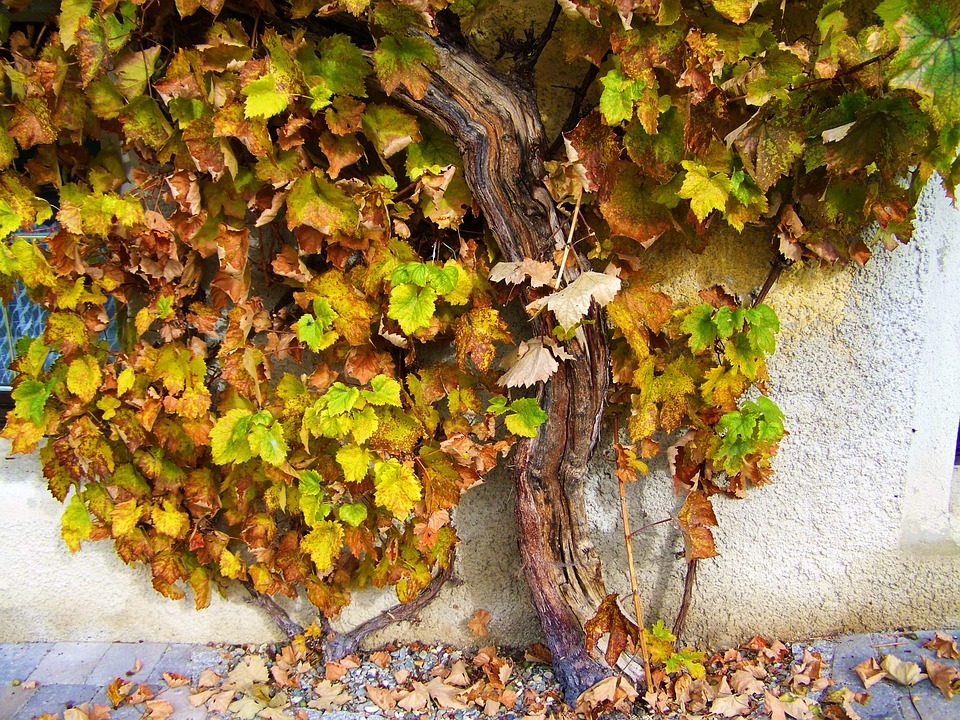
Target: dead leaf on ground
(773, 707)
(869, 672)
(382, 697)
(380, 658)
(458, 674)
(944, 644)
(538, 652)
(141, 694)
(445, 695)
(838, 704)
(77, 713)
(208, 679)
(330, 695)
(478, 623)
(905, 673)
(944, 677)
(250, 671)
(745, 683)
(416, 699)
(614, 691)
(158, 710)
(137, 667)
(175, 679)
(774, 653)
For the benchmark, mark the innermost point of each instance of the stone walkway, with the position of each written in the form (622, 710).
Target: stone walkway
(38, 678)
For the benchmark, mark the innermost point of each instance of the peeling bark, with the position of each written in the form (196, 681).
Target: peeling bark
(496, 125)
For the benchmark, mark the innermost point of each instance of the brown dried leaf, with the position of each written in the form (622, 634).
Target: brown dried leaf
(744, 682)
(695, 519)
(478, 623)
(141, 694)
(382, 697)
(175, 679)
(445, 695)
(380, 658)
(538, 652)
(208, 679)
(773, 707)
(158, 710)
(944, 677)
(611, 620)
(869, 672)
(458, 675)
(330, 695)
(417, 699)
(609, 691)
(944, 644)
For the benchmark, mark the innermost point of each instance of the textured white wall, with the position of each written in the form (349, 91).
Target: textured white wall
(855, 533)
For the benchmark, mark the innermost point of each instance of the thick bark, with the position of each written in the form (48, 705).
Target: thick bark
(496, 126)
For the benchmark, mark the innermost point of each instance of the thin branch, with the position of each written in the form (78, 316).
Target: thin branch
(687, 597)
(532, 49)
(339, 645)
(573, 117)
(849, 71)
(289, 627)
(650, 525)
(776, 268)
(634, 585)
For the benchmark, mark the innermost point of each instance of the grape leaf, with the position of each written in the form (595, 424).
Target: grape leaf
(737, 10)
(323, 544)
(355, 462)
(535, 362)
(170, 520)
(228, 438)
(266, 440)
(404, 60)
(397, 488)
(75, 524)
(412, 307)
(264, 98)
(620, 92)
(353, 514)
(571, 304)
(84, 378)
(31, 399)
(383, 391)
(314, 333)
(477, 334)
(928, 60)
(705, 191)
(389, 128)
(695, 518)
(525, 417)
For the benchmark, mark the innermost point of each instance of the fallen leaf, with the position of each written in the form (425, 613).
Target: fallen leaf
(113, 692)
(100, 712)
(334, 671)
(175, 679)
(905, 673)
(485, 655)
(774, 653)
(221, 701)
(416, 699)
(538, 652)
(870, 672)
(29, 684)
(401, 676)
(727, 703)
(208, 679)
(612, 690)
(199, 698)
(247, 707)
(382, 697)
(137, 667)
(756, 643)
(458, 674)
(744, 682)
(380, 658)
(159, 709)
(944, 644)
(75, 714)
(944, 677)
(445, 695)
(491, 707)
(838, 704)
(478, 623)
(329, 695)
(248, 672)
(797, 707)
(141, 694)
(773, 707)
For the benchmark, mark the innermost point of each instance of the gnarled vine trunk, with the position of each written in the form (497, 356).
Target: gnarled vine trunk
(496, 125)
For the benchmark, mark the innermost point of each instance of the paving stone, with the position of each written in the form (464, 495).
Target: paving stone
(186, 659)
(18, 660)
(53, 699)
(12, 699)
(120, 659)
(69, 663)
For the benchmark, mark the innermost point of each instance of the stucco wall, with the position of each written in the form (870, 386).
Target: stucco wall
(856, 533)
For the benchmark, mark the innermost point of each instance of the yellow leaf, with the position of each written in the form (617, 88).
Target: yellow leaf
(323, 543)
(84, 378)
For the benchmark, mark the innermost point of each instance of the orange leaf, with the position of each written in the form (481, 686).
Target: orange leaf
(944, 644)
(869, 672)
(478, 623)
(695, 519)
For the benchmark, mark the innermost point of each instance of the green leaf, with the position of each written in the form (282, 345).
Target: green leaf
(70, 13)
(340, 398)
(268, 442)
(365, 424)
(689, 659)
(310, 482)
(31, 399)
(384, 390)
(412, 307)
(404, 60)
(314, 333)
(315, 201)
(229, 438)
(497, 405)
(355, 462)
(705, 192)
(525, 417)
(389, 128)
(352, 514)
(133, 71)
(929, 57)
(397, 488)
(75, 524)
(264, 98)
(700, 327)
(620, 91)
(341, 65)
(323, 544)
(764, 325)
